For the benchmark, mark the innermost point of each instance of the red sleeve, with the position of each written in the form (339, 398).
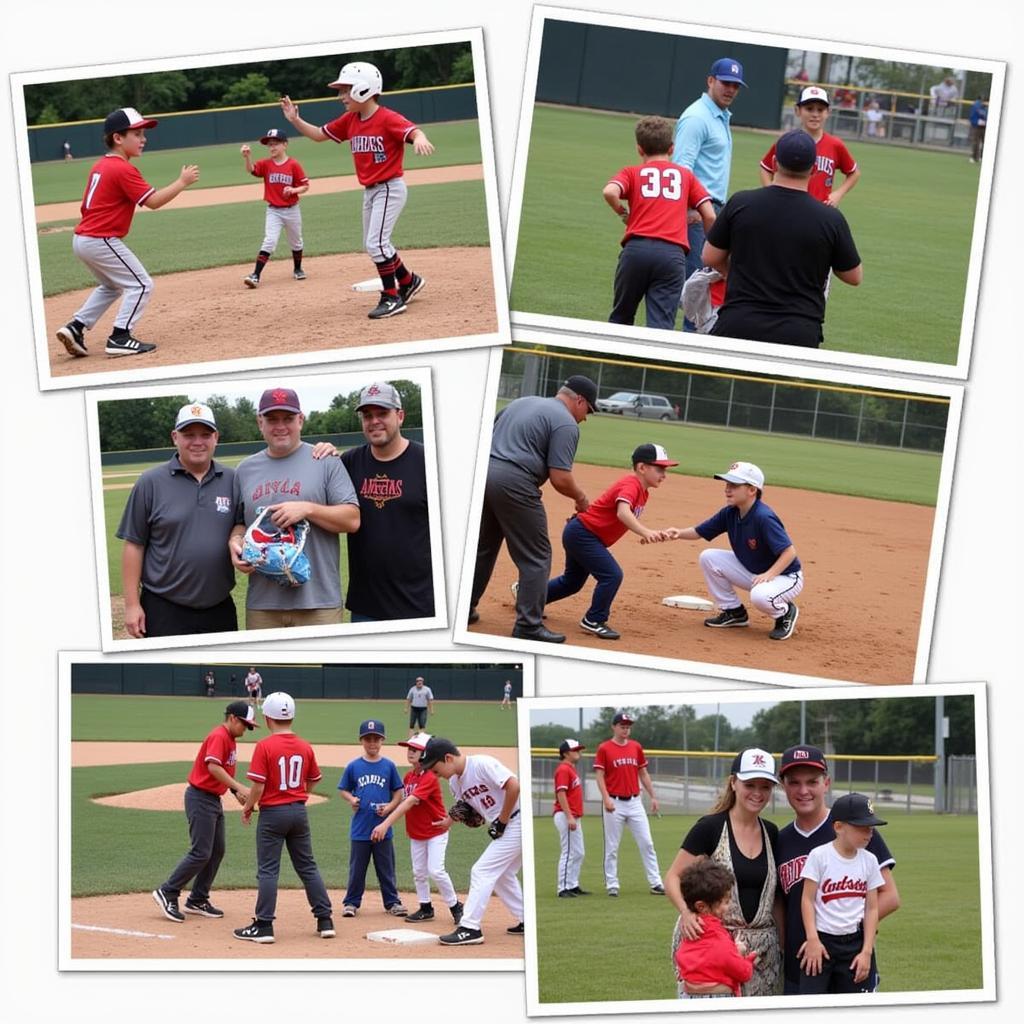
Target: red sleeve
(624, 179)
(562, 779)
(298, 174)
(844, 158)
(134, 185)
(338, 128)
(218, 749)
(258, 765)
(768, 160)
(258, 168)
(736, 966)
(641, 758)
(399, 126)
(631, 490)
(426, 786)
(313, 775)
(600, 757)
(697, 192)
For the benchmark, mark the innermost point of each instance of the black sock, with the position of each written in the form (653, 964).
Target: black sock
(120, 333)
(297, 258)
(386, 270)
(261, 262)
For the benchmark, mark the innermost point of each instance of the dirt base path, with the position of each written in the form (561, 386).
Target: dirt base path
(864, 564)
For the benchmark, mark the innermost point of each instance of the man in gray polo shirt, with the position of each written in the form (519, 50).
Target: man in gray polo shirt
(420, 699)
(286, 478)
(176, 575)
(534, 440)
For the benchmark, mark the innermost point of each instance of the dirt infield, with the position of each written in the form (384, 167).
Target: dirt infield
(864, 561)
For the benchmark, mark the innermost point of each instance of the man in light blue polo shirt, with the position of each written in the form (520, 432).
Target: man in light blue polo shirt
(703, 144)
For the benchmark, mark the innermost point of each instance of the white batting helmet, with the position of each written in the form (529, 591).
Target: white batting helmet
(279, 706)
(364, 79)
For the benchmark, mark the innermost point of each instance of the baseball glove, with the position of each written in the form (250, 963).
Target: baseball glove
(496, 829)
(468, 815)
(276, 551)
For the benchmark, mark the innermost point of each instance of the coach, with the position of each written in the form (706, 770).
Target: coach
(777, 246)
(175, 574)
(534, 440)
(703, 145)
(389, 562)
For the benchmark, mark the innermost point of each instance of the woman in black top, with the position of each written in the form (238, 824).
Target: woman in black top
(734, 835)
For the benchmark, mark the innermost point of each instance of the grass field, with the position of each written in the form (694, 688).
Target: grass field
(933, 942)
(912, 215)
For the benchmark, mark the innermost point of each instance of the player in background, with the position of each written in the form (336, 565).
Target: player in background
(832, 155)
(568, 815)
(254, 686)
(424, 813)
(377, 135)
(283, 772)
(620, 768)
(506, 696)
(284, 181)
(658, 193)
(113, 191)
(493, 791)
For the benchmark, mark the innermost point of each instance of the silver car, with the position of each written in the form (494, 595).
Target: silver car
(633, 403)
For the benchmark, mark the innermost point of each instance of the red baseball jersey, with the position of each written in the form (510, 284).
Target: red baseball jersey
(114, 189)
(418, 821)
(276, 177)
(567, 779)
(377, 142)
(659, 193)
(621, 764)
(602, 516)
(832, 156)
(217, 748)
(284, 763)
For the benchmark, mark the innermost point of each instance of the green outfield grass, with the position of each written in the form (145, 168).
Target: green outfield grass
(933, 942)
(57, 181)
(453, 214)
(188, 719)
(912, 215)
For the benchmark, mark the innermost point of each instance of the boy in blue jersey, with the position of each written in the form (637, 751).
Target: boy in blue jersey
(762, 560)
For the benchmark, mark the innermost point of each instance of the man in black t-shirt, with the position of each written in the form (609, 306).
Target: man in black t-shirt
(389, 561)
(777, 246)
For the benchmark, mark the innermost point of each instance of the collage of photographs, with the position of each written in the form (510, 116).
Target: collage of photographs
(592, 438)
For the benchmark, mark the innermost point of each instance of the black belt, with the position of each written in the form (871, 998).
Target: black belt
(615, 797)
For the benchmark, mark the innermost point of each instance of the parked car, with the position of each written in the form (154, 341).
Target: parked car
(632, 403)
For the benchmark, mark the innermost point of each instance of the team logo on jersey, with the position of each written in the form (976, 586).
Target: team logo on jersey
(269, 487)
(380, 490)
(223, 504)
(789, 872)
(752, 543)
(844, 888)
(277, 178)
(370, 144)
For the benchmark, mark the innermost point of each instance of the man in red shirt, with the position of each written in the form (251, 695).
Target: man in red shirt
(114, 189)
(588, 536)
(568, 813)
(212, 775)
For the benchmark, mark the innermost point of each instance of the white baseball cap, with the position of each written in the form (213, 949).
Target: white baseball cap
(742, 473)
(195, 412)
(754, 763)
(279, 706)
(813, 94)
(417, 742)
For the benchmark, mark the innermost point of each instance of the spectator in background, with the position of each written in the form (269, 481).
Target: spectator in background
(210, 681)
(978, 117)
(944, 96)
(66, 149)
(874, 117)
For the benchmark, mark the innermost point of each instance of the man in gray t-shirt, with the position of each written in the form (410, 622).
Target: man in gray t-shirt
(286, 478)
(534, 440)
(420, 699)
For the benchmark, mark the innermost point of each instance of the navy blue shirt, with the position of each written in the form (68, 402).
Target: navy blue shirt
(374, 782)
(979, 113)
(757, 539)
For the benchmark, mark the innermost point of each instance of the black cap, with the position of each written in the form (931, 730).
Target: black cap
(652, 455)
(584, 387)
(802, 756)
(274, 135)
(796, 151)
(623, 716)
(124, 118)
(855, 809)
(437, 749)
(566, 745)
(246, 712)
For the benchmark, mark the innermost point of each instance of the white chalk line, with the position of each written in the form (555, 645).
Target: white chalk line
(121, 931)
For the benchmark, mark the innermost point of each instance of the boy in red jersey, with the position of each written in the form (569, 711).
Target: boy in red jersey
(425, 822)
(115, 188)
(284, 181)
(283, 771)
(588, 536)
(377, 136)
(652, 263)
(568, 813)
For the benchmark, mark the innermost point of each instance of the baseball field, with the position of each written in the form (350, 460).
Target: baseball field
(911, 214)
(933, 942)
(200, 246)
(130, 758)
(861, 519)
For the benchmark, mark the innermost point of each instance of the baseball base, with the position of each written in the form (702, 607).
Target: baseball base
(371, 284)
(688, 601)
(404, 937)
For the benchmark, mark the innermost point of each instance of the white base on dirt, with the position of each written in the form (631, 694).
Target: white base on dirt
(404, 937)
(371, 284)
(688, 601)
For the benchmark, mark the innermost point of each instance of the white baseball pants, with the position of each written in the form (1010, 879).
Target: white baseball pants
(723, 571)
(120, 275)
(495, 871)
(287, 217)
(570, 859)
(428, 865)
(381, 206)
(628, 814)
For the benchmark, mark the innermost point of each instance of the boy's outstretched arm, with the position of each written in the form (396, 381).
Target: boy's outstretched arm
(679, 533)
(291, 115)
(421, 145)
(162, 196)
(629, 520)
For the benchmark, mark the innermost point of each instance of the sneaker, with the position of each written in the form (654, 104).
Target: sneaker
(473, 617)
(396, 910)
(729, 617)
(204, 908)
(258, 931)
(613, 892)
(325, 927)
(514, 587)
(456, 909)
(127, 346)
(580, 892)
(72, 337)
(425, 913)
(252, 281)
(349, 911)
(168, 905)
(600, 629)
(414, 287)
(389, 305)
(567, 894)
(516, 929)
(463, 937)
(785, 624)
(658, 890)
(299, 275)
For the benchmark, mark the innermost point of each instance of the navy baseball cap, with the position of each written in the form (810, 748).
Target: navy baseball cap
(279, 398)
(566, 745)
(437, 749)
(796, 151)
(124, 119)
(855, 809)
(652, 455)
(584, 387)
(725, 69)
(372, 727)
(623, 717)
(802, 756)
(246, 712)
(274, 135)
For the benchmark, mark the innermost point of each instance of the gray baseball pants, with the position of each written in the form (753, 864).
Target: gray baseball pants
(287, 217)
(120, 275)
(206, 831)
(382, 204)
(287, 825)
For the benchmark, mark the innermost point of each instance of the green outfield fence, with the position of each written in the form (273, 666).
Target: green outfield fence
(743, 401)
(191, 128)
(303, 682)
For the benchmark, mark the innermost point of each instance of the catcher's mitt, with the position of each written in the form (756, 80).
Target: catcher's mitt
(276, 551)
(468, 815)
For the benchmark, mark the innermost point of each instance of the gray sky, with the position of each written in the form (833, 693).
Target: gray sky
(738, 714)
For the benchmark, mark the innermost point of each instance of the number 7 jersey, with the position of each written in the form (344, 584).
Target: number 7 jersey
(659, 193)
(284, 763)
(113, 192)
